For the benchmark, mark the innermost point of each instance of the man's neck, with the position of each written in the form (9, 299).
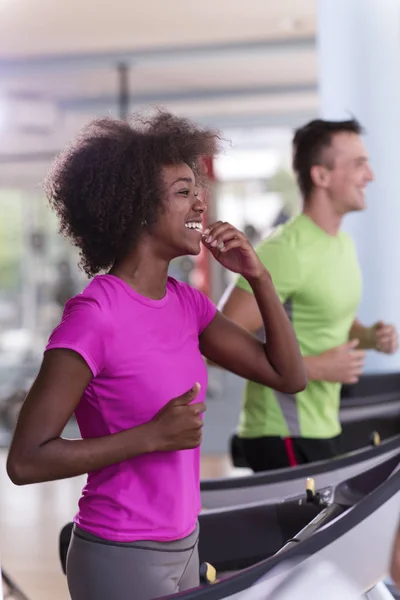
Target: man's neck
(320, 210)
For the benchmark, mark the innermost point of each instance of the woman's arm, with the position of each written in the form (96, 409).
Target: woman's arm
(277, 363)
(39, 453)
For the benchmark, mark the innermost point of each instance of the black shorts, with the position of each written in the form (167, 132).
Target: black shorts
(267, 453)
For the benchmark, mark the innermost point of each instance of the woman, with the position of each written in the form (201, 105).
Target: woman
(127, 357)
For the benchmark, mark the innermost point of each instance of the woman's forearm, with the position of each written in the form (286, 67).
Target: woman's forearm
(281, 346)
(62, 458)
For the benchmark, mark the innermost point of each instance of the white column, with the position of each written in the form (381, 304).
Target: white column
(359, 75)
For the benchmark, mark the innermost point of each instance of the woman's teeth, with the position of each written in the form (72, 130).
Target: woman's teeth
(194, 225)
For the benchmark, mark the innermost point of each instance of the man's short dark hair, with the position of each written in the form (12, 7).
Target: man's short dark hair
(309, 142)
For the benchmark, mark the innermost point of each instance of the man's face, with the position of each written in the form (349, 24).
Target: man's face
(349, 172)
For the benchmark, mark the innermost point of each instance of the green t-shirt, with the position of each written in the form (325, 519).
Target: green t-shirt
(318, 279)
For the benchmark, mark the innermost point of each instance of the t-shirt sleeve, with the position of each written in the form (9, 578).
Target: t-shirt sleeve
(205, 309)
(282, 263)
(84, 328)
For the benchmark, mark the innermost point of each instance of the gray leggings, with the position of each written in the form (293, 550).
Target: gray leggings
(101, 570)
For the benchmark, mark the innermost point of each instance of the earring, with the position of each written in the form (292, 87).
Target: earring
(143, 223)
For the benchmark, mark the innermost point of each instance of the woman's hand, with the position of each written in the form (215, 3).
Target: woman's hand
(178, 425)
(232, 250)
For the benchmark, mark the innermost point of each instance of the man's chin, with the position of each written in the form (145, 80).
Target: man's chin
(358, 206)
(362, 205)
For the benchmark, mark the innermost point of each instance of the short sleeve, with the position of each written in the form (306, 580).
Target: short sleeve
(281, 261)
(85, 329)
(205, 309)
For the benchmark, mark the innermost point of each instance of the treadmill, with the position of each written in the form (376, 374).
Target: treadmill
(363, 507)
(233, 538)
(273, 485)
(325, 580)
(246, 543)
(373, 404)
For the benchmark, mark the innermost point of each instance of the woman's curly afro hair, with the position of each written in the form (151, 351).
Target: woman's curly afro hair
(107, 182)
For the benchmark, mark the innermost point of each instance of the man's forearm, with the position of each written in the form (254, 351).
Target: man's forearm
(315, 368)
(365, 335)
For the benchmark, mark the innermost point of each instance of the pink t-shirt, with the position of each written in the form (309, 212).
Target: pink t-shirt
(142, 353)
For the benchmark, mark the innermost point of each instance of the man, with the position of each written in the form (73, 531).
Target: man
(316, 274)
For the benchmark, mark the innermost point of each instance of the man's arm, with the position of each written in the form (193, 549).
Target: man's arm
(238, 302)
(277, 363)
(342, 364)
(380, 337)
(241, 307)
(364, 335)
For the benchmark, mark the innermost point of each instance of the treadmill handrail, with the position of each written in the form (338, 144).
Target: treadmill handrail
(242, 581)
(376, 399)
(371, 384)
(288, 474)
